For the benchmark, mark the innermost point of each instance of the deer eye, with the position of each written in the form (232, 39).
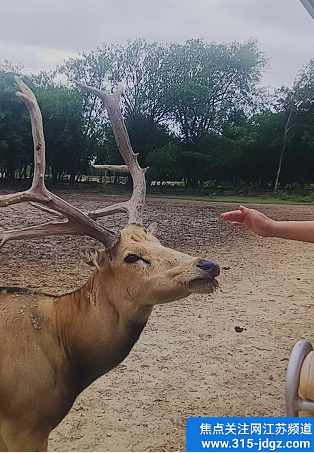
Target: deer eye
(132, 258)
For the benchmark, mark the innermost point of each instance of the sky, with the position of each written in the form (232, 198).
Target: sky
(43, 33)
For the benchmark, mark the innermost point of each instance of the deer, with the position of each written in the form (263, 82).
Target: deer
(54, 347)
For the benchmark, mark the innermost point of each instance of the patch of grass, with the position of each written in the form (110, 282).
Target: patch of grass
(213, 193)
(269, 198)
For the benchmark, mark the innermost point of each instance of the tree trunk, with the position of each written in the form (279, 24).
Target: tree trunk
(201, 186)
(11, 172)
(72, 179)
(54, 174)
(287, 128)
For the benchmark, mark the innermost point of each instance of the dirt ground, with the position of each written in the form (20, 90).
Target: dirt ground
(189, 361)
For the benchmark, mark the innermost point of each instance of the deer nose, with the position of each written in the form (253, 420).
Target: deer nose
(209, 266)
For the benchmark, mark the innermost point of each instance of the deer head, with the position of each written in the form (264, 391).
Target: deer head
(133, 261)
(151, 273)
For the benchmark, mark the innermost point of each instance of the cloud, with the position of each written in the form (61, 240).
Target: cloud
(37, 58)
(41, 33)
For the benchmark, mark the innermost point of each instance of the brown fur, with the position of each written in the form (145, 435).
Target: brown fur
(54, 347)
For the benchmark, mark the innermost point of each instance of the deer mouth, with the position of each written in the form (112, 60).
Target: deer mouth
(202, 285)
(206, 282)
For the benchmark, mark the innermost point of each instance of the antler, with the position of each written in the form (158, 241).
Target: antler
(135, 205)
(76, 222)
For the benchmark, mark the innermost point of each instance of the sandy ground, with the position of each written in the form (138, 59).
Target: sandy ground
(189, 361)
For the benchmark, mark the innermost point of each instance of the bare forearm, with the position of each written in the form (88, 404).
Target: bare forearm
(295, 230)
(264, 226)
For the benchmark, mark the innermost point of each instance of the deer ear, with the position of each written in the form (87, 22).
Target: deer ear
(91, 256)
(152, 229)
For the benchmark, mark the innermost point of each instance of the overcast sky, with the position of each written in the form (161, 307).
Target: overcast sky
(42, 33)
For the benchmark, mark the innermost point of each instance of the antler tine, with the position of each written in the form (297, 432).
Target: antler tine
(135, 205)
(120, 168)
(77, 222)
(38, 231)
(46, 209)
(38, 185)
(38, 134)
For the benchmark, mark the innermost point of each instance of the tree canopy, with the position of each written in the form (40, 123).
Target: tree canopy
(194, 111)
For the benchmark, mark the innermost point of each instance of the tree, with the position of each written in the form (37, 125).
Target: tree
(260, 141)
(142, 69)
(209, 81)
(67, 148)
(165, 164)
(292, 102)
(15, 134)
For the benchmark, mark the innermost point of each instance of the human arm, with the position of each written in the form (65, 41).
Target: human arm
(265, 226)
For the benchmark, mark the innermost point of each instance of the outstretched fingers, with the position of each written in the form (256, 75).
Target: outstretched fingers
(233, 216)
(238, 224)
(237, 217)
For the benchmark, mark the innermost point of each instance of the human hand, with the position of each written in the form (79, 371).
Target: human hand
(251, 219)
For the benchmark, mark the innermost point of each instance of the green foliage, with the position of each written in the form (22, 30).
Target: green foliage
(15, 136)
(64, 123)
(194, 112)
(140, 66)
(210, 82)
(165, 163)
(63, 118)
(194, 86)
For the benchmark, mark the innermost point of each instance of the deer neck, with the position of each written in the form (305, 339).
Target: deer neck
(98, 330)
